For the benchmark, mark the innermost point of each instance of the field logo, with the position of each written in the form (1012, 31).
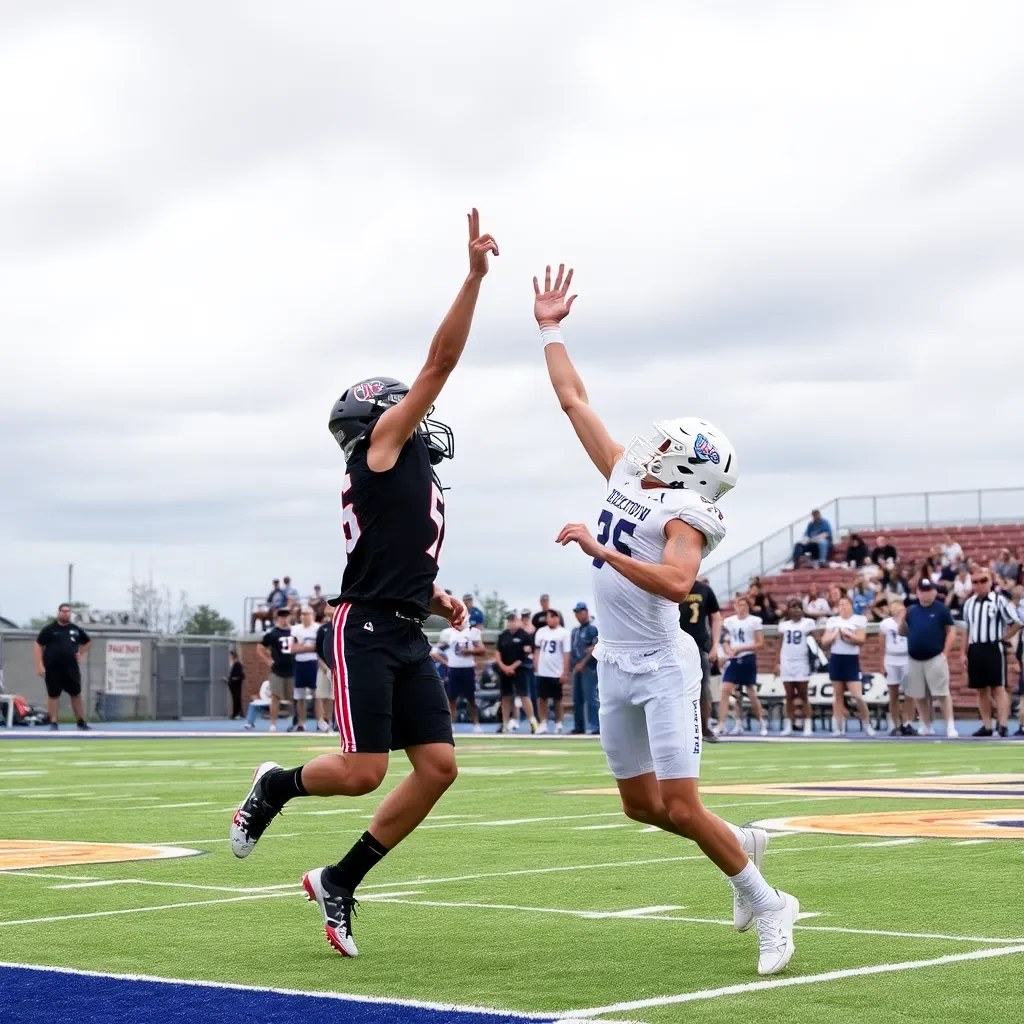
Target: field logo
(941, 824)
(20, 854)
(937, 787)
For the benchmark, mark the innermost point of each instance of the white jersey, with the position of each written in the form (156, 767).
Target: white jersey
(851, 625)
(456, 642)
(305, 635)
(741, 632)
(794, 654)
(632, 520)
(549, 645)
(895, 645)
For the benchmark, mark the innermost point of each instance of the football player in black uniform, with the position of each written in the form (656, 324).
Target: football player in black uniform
(387, 694)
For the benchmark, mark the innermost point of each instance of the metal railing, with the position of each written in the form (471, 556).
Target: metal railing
(874, 512)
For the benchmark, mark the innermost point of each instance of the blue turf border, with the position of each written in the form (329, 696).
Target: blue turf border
(39, 995)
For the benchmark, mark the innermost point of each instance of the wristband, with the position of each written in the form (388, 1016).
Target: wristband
(551, 335)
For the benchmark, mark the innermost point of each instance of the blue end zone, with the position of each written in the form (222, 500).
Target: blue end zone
(32, 995)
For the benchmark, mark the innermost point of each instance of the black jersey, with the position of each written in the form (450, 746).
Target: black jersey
(394, 528)
(694, 612)
(279, 642)
(61, 642)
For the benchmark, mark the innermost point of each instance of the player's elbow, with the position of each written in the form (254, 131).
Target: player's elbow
(569, 398)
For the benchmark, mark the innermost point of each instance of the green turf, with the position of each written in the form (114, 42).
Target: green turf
(525, 959)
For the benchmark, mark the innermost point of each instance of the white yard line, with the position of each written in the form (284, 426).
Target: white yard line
(806, 979)
(17, 873)
(118, 808)
(639, 912)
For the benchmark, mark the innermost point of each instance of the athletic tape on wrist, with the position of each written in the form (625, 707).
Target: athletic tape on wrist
(551, 335)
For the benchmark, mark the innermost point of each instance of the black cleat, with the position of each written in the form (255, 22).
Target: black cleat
(83, 724)
(983, 731)
(1003, 731)
(906, 729)
(54, 726)
(254, 814)
(338, 907)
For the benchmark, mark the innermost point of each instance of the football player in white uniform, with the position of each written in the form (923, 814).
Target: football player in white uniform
(794, 665)
(657, 520)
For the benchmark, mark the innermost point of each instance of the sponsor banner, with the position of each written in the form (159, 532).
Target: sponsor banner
(124, 667)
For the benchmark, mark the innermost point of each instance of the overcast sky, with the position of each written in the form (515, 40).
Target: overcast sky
(802, 221)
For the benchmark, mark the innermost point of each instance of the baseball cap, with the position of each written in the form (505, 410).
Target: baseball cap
(467, 597)
(925, 584)
(581, 606)
(511, 615)
(282, 611)
(526, 611)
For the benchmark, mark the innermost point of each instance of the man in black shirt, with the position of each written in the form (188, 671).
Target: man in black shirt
(59, 648)
(387, 693)
(883, 553)
(700, 606)
(540, 619)
(324, 701)
(236, 677)
(515, 646)
(276, 655)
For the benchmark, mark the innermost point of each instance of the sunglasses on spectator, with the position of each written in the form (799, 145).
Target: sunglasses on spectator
(983, 579)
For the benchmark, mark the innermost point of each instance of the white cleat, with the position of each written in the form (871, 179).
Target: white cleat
(338, 908)
(764, 728)
(558, 728)
(755, 842)
(787, 728)
(926, 730)
(808, 728)
(869, 730)
(322, 726)
(254, 814)
(272, 728)
(775, 932)
(951, 732)
(477, 729)
(542, 728)
(513, 725)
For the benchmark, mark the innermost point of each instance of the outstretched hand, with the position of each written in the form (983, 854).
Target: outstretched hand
(579, 533)
(479, 246)
(551, 306)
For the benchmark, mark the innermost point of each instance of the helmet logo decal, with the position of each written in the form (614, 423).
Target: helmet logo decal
(368, 390)
(704, 450)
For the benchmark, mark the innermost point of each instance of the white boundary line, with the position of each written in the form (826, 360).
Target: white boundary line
(805, 979)
(339, 996)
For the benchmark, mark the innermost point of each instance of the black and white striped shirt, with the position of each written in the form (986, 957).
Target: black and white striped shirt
(987, 618)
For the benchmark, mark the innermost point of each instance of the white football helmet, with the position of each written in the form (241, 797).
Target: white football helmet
(688, 453)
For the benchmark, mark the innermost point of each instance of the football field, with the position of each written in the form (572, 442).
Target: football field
(526, 895)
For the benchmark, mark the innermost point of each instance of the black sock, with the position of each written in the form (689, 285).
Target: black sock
(280, 787)
(352, 868)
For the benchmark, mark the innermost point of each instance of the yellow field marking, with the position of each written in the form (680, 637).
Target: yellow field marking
(980, 823)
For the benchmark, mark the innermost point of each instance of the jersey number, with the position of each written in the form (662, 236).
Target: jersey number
(605, 530)
(741, 637)
(286, 644)
(349, 521)
(694, 612)
(794, 636)
(437, 518)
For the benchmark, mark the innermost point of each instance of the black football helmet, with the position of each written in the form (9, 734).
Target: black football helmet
(360, 405)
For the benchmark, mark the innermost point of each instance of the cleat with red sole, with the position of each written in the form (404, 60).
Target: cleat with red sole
(338, 907)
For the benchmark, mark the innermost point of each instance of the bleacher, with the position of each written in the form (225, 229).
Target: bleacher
(980, 542)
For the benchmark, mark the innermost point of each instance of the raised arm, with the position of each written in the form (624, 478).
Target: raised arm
(671, 578)
(550, 307)
(398, 423)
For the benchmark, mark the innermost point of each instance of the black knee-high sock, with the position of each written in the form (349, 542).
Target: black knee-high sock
(280, 787)
(352, 868)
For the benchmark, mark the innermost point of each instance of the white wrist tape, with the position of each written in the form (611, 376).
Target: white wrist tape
(551, 335)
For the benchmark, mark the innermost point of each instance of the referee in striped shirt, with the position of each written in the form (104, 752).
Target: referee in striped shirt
(991, 622)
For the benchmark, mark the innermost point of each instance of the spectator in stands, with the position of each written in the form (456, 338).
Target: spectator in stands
(585, 705)
(952, 553)
(319, 604)
(257, 705)
(883, 553)
(862, 596)
(527, 626)
(762, 604)
(894, 584)
(275, 651)
(816, 541)
(552, 660)
(474, 615)
(1006, 568)
(235, 679)
(856, 551)
(835, 594)
(844, 635)
(961, 589)
(816, 607)
(541, 618)
(265, 612)
(928, 627)
(896, 664)
(291, 595)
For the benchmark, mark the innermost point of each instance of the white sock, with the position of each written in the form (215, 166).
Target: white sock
(755, 891)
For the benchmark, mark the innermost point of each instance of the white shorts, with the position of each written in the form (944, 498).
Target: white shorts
(896, 673)
(796, 673)
(650, 721)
